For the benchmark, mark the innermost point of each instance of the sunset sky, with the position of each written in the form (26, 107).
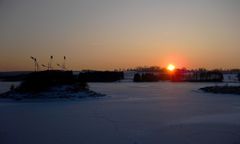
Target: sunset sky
(109, 34)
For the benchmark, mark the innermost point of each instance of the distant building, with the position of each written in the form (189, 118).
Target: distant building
(128, 76)
(230, 77)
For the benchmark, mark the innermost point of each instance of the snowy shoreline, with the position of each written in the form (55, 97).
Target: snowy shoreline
(222, 89)
(63, 92)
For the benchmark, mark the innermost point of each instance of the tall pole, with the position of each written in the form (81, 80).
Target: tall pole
(35, 63)
(50, 63)
(64, 63)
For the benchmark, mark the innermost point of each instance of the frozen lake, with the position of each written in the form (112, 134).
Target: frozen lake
(131, 113)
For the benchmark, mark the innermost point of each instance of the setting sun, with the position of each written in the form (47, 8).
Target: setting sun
(171, 67)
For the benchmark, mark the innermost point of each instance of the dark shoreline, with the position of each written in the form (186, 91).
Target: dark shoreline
(222, 89)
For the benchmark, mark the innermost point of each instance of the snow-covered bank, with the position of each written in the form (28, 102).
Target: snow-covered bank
(56, 92)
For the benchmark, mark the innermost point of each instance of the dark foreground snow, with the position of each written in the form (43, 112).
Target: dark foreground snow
(143, 113)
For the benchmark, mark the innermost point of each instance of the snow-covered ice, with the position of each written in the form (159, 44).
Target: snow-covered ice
(131, 113)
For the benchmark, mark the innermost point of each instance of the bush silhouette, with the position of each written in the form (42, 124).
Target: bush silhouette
(100, 76)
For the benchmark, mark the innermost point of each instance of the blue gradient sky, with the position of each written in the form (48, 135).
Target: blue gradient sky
(108, 34)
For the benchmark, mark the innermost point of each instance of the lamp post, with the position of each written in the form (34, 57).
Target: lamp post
(36, 66)
(50, 63)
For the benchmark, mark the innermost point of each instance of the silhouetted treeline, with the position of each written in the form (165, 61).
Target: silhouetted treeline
(147, 69)
(100, 76)
(40, 81)
(207, 76)
(146, 77)
(151, 69)
(180, 75)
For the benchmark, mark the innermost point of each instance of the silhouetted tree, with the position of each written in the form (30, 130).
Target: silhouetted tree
(149, 77)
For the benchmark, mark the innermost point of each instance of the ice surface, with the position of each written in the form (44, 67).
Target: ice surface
(131, 113)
